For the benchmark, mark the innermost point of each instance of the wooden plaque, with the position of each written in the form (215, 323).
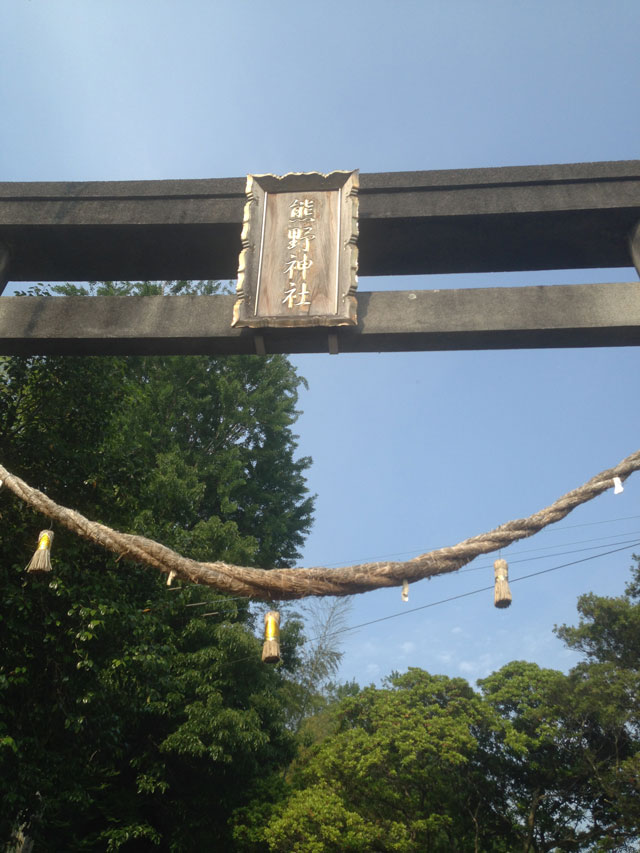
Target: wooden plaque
(299, 259)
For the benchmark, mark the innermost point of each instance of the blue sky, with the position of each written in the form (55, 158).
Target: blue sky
(432, 447)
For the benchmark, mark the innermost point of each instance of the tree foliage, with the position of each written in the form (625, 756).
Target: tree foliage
(559, 751)
(538, 760)
(133, 714)
(609, 627)
(400, 772)
(311, 689)
(606, 696)
(137, 716)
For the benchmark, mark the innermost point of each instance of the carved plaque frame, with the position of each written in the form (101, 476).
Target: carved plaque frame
(299, 260)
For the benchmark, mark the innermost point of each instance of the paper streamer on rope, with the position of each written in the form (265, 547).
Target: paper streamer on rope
(286, 584)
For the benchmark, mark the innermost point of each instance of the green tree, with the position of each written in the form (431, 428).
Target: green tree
(607, 693)
(609, 627)
(538, 753)
(128, 717)
(401, 772)
(569, 749)
(320, 625)
(538, 761)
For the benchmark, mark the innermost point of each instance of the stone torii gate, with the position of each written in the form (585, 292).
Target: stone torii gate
(477, 220)
(582, 215)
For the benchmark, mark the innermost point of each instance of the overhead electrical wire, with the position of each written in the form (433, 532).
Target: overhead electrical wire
(555, 529)
(476, 591)
(450, 598)
(485, 566)
(226, 602)
(222, 602)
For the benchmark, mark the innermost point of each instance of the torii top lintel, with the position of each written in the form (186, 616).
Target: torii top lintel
(581, 215)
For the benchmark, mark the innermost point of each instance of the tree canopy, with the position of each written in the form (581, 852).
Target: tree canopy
(126, 704)
(538, 760)
(137, 715)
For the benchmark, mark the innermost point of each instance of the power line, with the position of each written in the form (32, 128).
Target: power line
(226, 602)
(550, 556)
(625, 547)
(422, 549)
(482, 589)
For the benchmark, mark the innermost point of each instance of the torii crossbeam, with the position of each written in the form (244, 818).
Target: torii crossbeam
(474, 220)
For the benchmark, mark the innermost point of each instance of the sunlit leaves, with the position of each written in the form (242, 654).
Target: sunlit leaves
(127, 715)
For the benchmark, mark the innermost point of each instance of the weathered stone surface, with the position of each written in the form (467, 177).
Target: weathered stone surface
(4, 266)
(634, 245)
(490, 318)
(470, 220)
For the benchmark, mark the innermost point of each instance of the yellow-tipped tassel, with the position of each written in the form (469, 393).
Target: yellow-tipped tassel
(271, 647)
(41, 560)
(502, 593)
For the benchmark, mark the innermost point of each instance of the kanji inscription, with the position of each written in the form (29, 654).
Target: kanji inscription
(298, 264)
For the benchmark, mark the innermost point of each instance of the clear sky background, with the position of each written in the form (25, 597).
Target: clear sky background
(411, 451)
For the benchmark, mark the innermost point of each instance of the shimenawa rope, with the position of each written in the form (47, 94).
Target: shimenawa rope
(283, 584)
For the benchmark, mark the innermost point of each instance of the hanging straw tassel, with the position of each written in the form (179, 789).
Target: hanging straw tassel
(271, 647)
(502, 593)
(41, 560)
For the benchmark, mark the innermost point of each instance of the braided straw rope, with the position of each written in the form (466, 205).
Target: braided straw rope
(300, 583)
